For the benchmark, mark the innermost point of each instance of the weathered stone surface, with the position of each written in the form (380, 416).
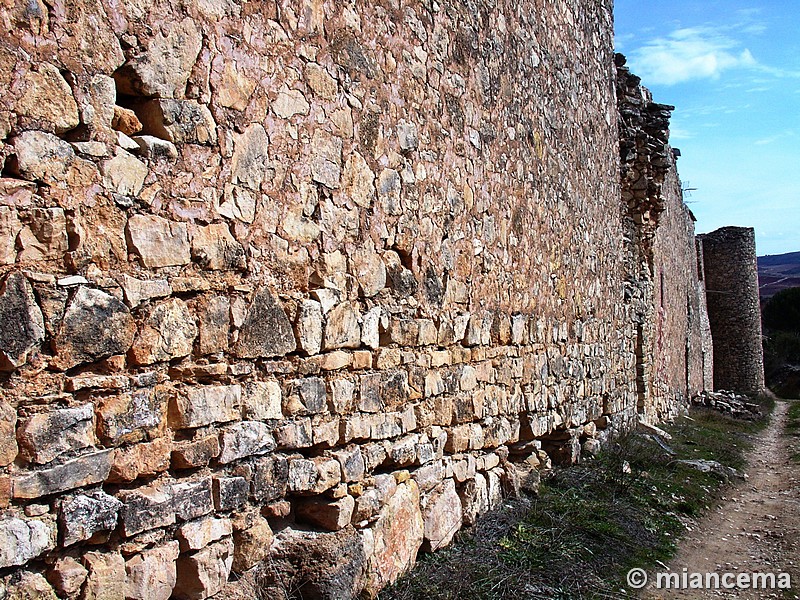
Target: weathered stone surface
(204, 405)
(250, 156)
(45, 436)
(295, 434)
(326, 158)
(370, 271)
(81, 517)
(407, 136)
(8, 441)
(106, 576)
(270, 478)
(78, 472)
(358, 181)
(352, 463)
(23, 324)
(289, 103)
(214, 248)
(235, 88)
(214, 324)
(320, 81)
(139, 290)
(125, 174)
(140, 460)
(164, 68)
(192, 499)
(45, 237)
(47, 100)
(169, 332)
(29, 586)
(251, 544)
(389, 187)
(154, 148)
(266, 331)
(178, 121)
(245, 438)
(44, 157)
(157, 241)
(308, 327)
(327, 566)
(330, 515)
(10, 227)
(231, 492)
(261, 401)
(342, 329)
(196, 535)
(130, 417)
(95, 325)
(67, 576)
(305, 396)
(396, 537)
(125, 121)
(145, 508)
(197, 453)
(152, 574)
(204, 573)
(24, 539)
(441, 516)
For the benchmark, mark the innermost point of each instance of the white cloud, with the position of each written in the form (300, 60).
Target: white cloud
(690, 53)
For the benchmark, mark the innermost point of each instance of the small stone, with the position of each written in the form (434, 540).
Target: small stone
(47, 100)
(195, 454)
(270, 478)
(152, 573)
(46, 436)
(163, 69)
(243, 439)
(204, 405)
(332, 516)
(125, 121)
(407, 136)
(295, 434)
(196, 535)
(234, 89)
(23, 540)
(302, 475)
(442, 516)
(168, 332)
(261, 401)
(8, 442)
(251, 545)
(214, 318)
(320, 81)
(106, 576)
(204, 573)
(23, 323)
(326, 159)
(239, 204)
(28, 586)
(250, 157)
(78, 472)
(125, 174)
(389, 187)
(157, 241)
(81, 517)
(290, 103)
(140, 290)
(178, 121)
(308, 327)
(266, 331)
(342, 329)
(45, 238)
(145, 508)
(370, 271)
(192, 499)
(67, 576)
(10, 227)
(141, 460)
(130, 417)
(153, 148)
(358, 180)
(214, 248)
(230, 492)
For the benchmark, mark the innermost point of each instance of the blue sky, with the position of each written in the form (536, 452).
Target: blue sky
(732, 69)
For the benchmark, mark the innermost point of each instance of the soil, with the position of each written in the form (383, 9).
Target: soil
(755, 529)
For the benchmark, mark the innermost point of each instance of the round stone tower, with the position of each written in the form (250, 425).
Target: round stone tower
(729, 257)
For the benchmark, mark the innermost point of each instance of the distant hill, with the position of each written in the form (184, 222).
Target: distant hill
(777, 272)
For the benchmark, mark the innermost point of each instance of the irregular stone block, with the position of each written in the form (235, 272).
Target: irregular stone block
(302, 475)
(295, 434)
(140, 460)
(250, 157)
(196, 535)
(192, 499)
(10, 227)
(370, 271)
(29, 586)
(358, 180)
(231, 492)
(214, 248)
(326, 158)
(308, 327)
(168, 333)
(179, 121)
(251, 545)
(305, 396)
(81, 517)
(195, 454)
(270, 478)
(8, 441)
(164, 67)
(152, 574)
(106, 576)
(23, 323)
(131, 417)
(407, 136)
(245, 438)
(45, 238)
(154, 148)
(261, 401)
(204, 405)
(320, 81)
(78, 472)
(441, 516)
(289, 103)
(266, 331)
(342, 329)
(213, 316)
(389, 187)
(139, 290)
(146, 508)
(22, 540)
(44, 157)
(95, 326)
(332, 516)
(157, 241)
(329, 474)
(351, 462)
(125, 174)
(204, 573)
(67, 576)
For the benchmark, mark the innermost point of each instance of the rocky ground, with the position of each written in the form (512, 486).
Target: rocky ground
(756, 528)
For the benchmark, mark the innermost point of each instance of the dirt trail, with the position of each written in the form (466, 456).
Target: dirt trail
(755, 529)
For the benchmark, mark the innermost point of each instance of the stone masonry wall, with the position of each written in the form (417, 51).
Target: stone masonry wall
(312, 284)
(734, 310)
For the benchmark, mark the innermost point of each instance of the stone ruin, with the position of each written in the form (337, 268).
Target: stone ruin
(313, 284)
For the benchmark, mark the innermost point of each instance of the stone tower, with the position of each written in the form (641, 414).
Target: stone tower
(729, 257)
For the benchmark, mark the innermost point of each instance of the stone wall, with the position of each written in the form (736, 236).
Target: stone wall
(316, 282)
(734, 311)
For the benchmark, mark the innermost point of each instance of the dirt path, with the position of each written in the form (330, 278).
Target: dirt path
(756, 529)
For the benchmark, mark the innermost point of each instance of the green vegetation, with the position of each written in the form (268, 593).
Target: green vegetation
(781, 324)
(793, 430)
(590, 523)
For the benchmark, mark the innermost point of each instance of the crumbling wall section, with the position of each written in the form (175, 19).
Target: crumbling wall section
(729, 259)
